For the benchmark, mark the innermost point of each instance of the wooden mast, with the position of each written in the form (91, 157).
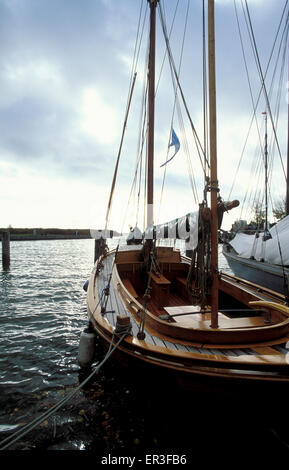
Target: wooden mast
(151, 114)
(213, 162)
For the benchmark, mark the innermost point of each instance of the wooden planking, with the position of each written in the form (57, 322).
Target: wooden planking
(160, 279)
(168, 255)
(170, 345)
(238, 352)
(250, 351)
(132, 256)
(117, 304)
(224, 323)
(212, 351)
(281, 348)
(160, 289)
(189, 318)
(181, 347)
(193, 309)
(246, 291)
(111, 306)
(182, 280)
(196, 350)
(265, 350)
(128, 285)
(231, 352)
(158, 341)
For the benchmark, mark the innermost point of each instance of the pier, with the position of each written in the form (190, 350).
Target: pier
(17, 234)
(25, 234)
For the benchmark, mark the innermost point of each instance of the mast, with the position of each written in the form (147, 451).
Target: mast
(213, 163)
(151, 114)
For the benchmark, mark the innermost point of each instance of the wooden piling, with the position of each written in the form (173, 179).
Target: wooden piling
(99, 247)
(6, 249)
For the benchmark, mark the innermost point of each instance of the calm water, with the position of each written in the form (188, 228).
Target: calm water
(43, 311)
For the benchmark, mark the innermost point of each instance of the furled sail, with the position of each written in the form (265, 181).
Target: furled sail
(184, 228)
(274, 250)
(103, 233)
(134, 237)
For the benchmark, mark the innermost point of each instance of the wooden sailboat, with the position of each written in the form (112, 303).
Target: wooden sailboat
(181, 317)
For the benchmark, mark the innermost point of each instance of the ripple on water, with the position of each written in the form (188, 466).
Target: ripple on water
(42, 311)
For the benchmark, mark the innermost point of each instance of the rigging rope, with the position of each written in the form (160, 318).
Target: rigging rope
(197, 140)
(10, 440)
(263, 83)
(106, 290)
(198, 275)
(272, 82)
(138, 170)
(149, 254)
(119, 153)
(166, 51)
(165, 167)
(279, 92)
(177, 105)
(141, 143)
(260, 92)
(138, 166)
(260, 165)
(205, 91)
(131, 87)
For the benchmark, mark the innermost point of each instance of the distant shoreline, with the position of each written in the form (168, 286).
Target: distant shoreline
(26, 234)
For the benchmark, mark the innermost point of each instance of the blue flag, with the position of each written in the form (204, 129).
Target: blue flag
(174, 143)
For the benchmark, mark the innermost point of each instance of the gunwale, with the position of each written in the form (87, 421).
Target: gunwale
(203, 358)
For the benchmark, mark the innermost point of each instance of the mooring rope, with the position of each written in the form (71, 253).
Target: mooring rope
(8, 441)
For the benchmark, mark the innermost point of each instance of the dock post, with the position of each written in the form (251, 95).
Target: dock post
(99, 247)
(6, 249)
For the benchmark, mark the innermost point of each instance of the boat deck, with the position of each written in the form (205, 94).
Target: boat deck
(115, 307)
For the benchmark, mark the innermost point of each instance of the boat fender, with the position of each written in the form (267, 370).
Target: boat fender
(85, 285)
(86, 348)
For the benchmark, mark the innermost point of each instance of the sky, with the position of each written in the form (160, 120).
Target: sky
(65, 68)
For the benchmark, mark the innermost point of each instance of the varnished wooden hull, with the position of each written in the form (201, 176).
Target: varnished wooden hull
(205, 381)
(229, 359)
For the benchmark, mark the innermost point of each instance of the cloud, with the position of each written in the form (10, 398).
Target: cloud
(98, 119)
(64, 72)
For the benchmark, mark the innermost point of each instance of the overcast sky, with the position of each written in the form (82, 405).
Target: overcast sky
(65, 67)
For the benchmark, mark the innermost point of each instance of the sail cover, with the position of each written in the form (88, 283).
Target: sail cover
(184, 228)
(103, 233)
(269, 250)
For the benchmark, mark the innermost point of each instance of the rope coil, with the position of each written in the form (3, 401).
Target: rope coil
(123, 326)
